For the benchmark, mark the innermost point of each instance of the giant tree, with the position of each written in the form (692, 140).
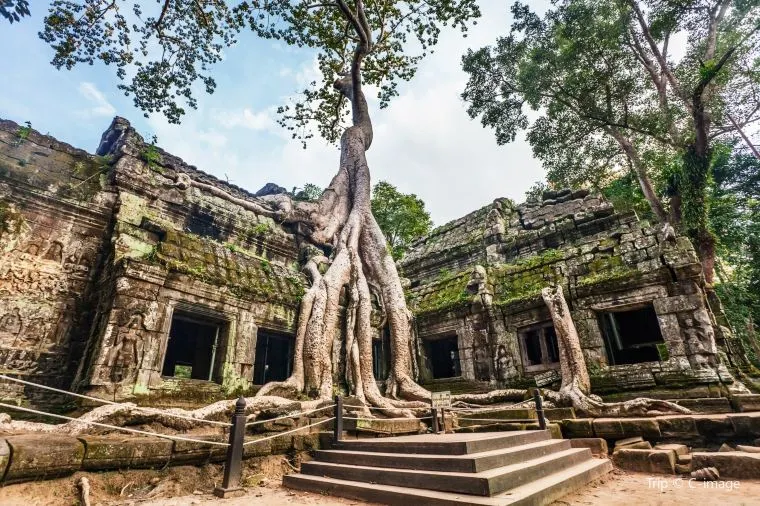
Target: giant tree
(612, 96)
(161, 55)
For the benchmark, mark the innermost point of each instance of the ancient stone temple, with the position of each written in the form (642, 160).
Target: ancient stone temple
(121, 279)
(637, 298)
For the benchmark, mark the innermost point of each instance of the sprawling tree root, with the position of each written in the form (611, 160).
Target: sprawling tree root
(126, 414)
(360, 261)
(575, 386)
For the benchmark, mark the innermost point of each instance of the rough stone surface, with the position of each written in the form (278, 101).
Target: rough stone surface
(739, 465)
(41, 456)
(597, 445)
(645, 461)
(122, 452)
(677, 448)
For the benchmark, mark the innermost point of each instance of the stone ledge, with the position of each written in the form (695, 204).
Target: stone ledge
(119, 452)
(729, 464)
(36, 456)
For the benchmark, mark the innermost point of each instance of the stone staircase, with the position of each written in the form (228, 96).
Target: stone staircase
(494, 468)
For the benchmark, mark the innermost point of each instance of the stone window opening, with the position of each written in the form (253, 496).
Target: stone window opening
(443, 357)
(539, 347)
(192, 348)
(274, 357)
(631, 336)
(381, 354)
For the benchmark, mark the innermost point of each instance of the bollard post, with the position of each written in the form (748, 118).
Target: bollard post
(233, 465)
(435, 420)
(443, 420)
(338, 422)
(539, 409)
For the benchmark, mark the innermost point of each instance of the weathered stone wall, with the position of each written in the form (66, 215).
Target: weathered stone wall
(55, 215)
(480, 278)
(99, 251)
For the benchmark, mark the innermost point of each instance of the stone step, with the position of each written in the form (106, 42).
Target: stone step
(485, 483)
(468, 463)
(537, 493)
(454, 444)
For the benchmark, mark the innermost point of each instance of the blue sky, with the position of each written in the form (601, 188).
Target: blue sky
(424, 142)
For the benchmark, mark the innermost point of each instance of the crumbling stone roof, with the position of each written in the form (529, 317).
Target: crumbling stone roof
(569, 237)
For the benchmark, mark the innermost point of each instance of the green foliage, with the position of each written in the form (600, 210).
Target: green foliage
(151, 156)
(309, 192)
(161, 52)
(401, 217)
(610, 112)
(22, 134)
(13, 10)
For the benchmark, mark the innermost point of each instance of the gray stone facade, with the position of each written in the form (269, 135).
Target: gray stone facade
(476, 281)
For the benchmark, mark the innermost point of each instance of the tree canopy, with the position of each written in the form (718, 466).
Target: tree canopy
(402, 217)
(161, 52)
(614, 98)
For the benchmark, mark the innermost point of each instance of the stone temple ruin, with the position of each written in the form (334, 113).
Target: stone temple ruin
(118, 280)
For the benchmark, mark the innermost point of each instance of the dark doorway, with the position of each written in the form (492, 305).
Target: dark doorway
(443, 355)
(381, 355)
(191, 350)
(274, 357)
(631, 337)
(538, 346)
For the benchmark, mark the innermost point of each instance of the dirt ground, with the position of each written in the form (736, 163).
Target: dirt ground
(189, 485)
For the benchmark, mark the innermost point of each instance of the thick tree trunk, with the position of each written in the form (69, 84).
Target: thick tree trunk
(360, 260)
(576, 386)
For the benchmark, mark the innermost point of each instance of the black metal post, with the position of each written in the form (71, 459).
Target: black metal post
(435, 419)
(539, 409)
(338, 422)
(233, 466)
(443, 420)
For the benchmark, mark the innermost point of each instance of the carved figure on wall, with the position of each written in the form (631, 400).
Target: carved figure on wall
(503, 364)
(494, 222)
(124, 357)
(11, 322)
(54, 252)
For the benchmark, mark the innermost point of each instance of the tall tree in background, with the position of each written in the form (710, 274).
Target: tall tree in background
(168, 51)
(401, 217)
(613, 97)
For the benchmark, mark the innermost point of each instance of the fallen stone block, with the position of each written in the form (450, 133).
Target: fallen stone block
(678, 449)
(632, 443)
(677, 427)
(122, 452)
(684, 459)
(683, 468)
(577, 428)
(645, 461)
(746, 402)
(746, 425)
(715, 427)
(5, 456)
(191, 452)
(41, 456)
(749, 449)
(725, 447)
(729, 464)
(597, 445)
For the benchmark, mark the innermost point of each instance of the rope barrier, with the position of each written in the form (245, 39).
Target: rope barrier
(124, 429)
(387, 419)
(105, 401)
(289, 416)
(501, 420)
(486, 410)
(378, 408)
(287, 432)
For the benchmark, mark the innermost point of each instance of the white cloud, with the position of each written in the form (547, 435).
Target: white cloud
(100, 105)
(424, 142)
(245, 118)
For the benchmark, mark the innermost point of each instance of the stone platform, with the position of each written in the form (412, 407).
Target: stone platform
(520, 467)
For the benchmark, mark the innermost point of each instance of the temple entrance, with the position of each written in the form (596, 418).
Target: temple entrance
(631, 337)
(538, 347)
(381, 355)
(274, 357)
(443, 357)
(191, 349)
